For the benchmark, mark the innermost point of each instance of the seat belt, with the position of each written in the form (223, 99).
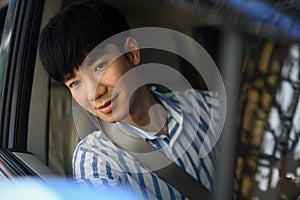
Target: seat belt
(154, 160)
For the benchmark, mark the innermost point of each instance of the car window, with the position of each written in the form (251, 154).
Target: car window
(221, 41)
(259, 64)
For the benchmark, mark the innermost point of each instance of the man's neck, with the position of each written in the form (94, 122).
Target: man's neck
(149, 113)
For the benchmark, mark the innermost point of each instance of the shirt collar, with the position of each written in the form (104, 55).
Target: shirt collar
(174, 113)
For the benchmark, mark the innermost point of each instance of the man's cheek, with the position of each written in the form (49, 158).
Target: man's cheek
(81, 102)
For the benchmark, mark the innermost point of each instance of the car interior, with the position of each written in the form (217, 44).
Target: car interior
(51, 100)
(251, 59)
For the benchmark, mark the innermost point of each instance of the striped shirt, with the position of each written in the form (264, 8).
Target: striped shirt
(99, 162)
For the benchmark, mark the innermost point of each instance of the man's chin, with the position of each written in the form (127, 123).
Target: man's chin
(108, 118)
(110, 121)
(112, 117)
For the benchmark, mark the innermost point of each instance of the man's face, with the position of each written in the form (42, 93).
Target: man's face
(93, 84)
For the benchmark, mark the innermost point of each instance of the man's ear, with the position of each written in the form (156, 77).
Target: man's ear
(132, 49)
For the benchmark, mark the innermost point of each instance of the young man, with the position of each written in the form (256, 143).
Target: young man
(65, 43)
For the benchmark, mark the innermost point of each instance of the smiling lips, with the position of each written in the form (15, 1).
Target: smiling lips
(107, 106)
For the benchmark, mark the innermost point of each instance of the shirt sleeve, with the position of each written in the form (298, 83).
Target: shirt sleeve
(92, 167)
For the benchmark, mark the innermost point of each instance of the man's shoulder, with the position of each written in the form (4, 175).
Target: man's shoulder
(189, 94)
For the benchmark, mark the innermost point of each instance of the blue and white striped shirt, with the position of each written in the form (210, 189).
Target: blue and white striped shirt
(99, 162)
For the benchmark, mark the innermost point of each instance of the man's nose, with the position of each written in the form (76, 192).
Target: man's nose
(95, 89)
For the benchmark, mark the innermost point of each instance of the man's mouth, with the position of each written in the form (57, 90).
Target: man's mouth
(108, 106)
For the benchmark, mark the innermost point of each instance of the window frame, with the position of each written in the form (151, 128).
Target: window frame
(19, 47)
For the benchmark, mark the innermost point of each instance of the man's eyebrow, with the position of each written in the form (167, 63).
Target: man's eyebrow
(93, 57)
(68, 77)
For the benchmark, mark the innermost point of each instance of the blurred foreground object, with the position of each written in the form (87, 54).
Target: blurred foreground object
(56, 189)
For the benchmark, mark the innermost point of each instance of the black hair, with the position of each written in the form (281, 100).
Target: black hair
(74, 31)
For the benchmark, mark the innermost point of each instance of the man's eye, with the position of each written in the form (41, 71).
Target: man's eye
(74, 84)
(100, 66)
